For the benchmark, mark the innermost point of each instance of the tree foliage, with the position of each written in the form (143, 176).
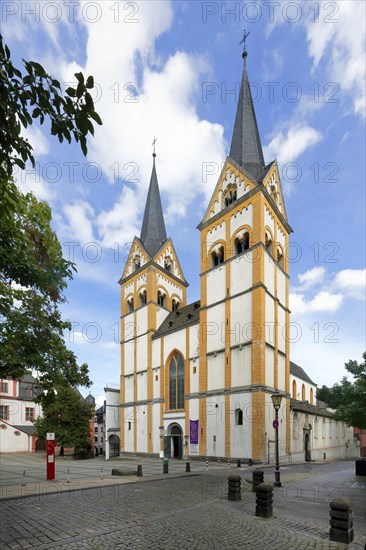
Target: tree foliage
(66, 414)
(348, 397)
(35, 95)
(33, 273)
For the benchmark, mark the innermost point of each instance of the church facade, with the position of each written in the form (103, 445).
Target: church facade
(197, 379)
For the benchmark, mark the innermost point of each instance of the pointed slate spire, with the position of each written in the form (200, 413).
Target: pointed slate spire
(246, 148)
(153, 233)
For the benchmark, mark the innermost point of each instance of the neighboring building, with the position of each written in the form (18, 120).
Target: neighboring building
(112, 424)
(17, 412)
(202, 374)
(360, 435)
(98, 436)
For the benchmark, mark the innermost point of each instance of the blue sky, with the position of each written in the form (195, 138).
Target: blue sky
(172, 69)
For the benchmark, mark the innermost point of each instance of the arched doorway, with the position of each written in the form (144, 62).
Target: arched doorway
(114, 445)
(175, 434)
(307, 445)
(40, 445)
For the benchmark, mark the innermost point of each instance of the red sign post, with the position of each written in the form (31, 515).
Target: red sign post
(50, 456)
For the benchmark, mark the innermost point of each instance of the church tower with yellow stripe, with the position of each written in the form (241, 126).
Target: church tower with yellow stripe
(244, 317)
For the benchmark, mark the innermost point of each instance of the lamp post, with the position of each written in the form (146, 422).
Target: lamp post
(276, 400)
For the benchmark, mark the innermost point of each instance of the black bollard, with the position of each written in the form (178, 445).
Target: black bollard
(139, 470)
(341, 521)
(188, 466)
(166, 466)
(258, 477)
(234, 489)
(239, 463)
(264, 501)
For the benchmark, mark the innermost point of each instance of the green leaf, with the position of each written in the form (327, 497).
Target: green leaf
(90, 82)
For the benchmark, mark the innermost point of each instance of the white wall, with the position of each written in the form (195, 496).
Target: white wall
(215, 422)
(216, 327)
(241, 319)
(216, 371)
(241, 436)
(241, 366)
(241, 277)
(216, 285)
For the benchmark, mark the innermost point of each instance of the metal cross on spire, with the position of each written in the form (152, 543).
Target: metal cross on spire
(244, 40)
(153, 145)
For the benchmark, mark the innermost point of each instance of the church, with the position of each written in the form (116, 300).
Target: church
(197, 378)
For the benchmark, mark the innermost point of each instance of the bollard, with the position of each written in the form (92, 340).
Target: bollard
(258, 477)
(23, 484)
(264, 501)
(68, 475)
(341, 521)
(206, 465)
(239, 463)
(101, 473)
(188, 466)
(218, 462)
(234, 489)
(228, 462)
(166, 466)
(139, 470)
(250, 462)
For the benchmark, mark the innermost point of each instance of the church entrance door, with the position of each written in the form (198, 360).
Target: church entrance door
(176, 441)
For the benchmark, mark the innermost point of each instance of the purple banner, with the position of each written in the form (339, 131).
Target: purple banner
(193, 432)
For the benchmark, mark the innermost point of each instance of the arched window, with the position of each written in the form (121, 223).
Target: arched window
(230, 197)
(176, 382)
(217, 257)
(268, 242)
(238, 417)
(241, 243)
(161, 298)
(294, 390)
(175, 304)
(280, 257)
(130, 305)
(311, 396)
(143, 298)
(303, 392)
(137, 261)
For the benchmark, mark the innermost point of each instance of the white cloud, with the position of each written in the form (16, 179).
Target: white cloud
(287, 148)
(37, 140)
(80, 227)
(339, 41)
(311, 277)
(323, 301)
(29, 181)
(352, 282)
(162, 104)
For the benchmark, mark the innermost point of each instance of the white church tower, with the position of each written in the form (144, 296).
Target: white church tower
(244, 316)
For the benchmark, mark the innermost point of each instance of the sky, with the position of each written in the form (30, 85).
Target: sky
(173, 70)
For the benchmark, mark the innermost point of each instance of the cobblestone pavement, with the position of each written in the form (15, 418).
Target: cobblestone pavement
(178, 513)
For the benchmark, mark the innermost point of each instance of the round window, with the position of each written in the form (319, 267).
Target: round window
(17, 433)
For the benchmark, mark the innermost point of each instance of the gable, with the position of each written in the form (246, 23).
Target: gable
(137, 253)
(232, 182)
(272, 184)
(167, 258)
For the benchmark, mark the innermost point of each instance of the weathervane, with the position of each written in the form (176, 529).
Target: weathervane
(244, 40)
(153, 146)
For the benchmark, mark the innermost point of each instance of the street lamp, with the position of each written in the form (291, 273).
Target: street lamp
(276, 400)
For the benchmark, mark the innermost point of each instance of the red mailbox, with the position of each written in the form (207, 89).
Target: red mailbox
(50, 456)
